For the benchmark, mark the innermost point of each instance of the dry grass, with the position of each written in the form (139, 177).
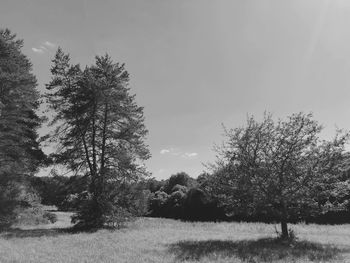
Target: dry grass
(165, 240)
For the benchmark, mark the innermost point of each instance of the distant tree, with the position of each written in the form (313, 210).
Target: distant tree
(175, 204)
(180, 188)
(154, 185)
(280, 168)
(181, 178)
(20, 153)
(157, 204)
(200, 206)
(203, 178)
(59, 190)
(100, 131)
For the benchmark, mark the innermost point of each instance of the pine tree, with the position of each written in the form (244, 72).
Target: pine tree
(100, 132)
(20, 153)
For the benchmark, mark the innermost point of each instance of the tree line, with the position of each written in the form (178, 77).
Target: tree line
(271, 170)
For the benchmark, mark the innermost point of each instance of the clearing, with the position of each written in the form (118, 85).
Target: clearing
(166, 240)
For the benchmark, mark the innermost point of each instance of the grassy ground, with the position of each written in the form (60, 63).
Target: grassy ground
(165, 240)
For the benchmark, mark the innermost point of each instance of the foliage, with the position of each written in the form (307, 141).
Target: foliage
(179, 188)
(123, 203)
(138, 200)
(99, 131)
(51, 217)
(169, 200)
(20, 153)
(71, 202)
(34, 215)
(184, 201)
(200, 206)
(154, 185)
(157, 202)
(175, 205)
(280, 168)
(179, 179)
(60, 191)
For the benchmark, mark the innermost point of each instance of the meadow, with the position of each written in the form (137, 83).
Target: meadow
(167, 240)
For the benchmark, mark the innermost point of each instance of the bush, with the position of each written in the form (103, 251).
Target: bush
(157, 203)
(180, 188)
(111, 208)
(19, 203)
(179, 179)
(50, 216)
(55, 190)
(140, 202)
(118, 217)
(34, 216)
(199, 206)
(70, 203)
(154, 185)
(174, 205)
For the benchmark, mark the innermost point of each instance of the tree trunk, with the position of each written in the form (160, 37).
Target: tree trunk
(284, 229)
(284, 220)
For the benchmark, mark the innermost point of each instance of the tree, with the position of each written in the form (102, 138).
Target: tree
(200, 206)
(20, 152)
(279, 168)
(59, 190)
(180, 178)
(99, 130)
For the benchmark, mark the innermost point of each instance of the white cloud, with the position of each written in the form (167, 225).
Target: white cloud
(190, 155)
(38, 50)
(44, 47)
(177, 152)
(49, 44)
(171, 151)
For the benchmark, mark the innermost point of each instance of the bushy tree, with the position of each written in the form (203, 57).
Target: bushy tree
(154, 185)
(20, 153)
(100, 131)
(200, 206)
(181, 178)
(175, 204)
(279, 168)
(60, 191)
(157, 203)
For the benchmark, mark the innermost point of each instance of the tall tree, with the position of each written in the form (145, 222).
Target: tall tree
(20, 152)
(279, 168)
(100, 130)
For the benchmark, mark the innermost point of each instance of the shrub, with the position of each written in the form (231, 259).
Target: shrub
(199, 206)
(179, 179)
(70, 203)
(157, 203)
(118, 217)
(50, 216)
(111, 208)
(34, 216)
(180, 188)
(174, 206)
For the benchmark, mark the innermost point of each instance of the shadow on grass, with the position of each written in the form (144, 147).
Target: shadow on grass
(47, 232)
(261, 250)
(38, 232)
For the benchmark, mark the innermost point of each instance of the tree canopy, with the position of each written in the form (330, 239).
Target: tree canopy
(20, 152)
(100, 130)
(280, 168)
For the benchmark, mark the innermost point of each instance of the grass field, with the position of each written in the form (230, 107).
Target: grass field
(165, 240)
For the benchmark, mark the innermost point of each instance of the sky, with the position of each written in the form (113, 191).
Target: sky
(198, 64)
